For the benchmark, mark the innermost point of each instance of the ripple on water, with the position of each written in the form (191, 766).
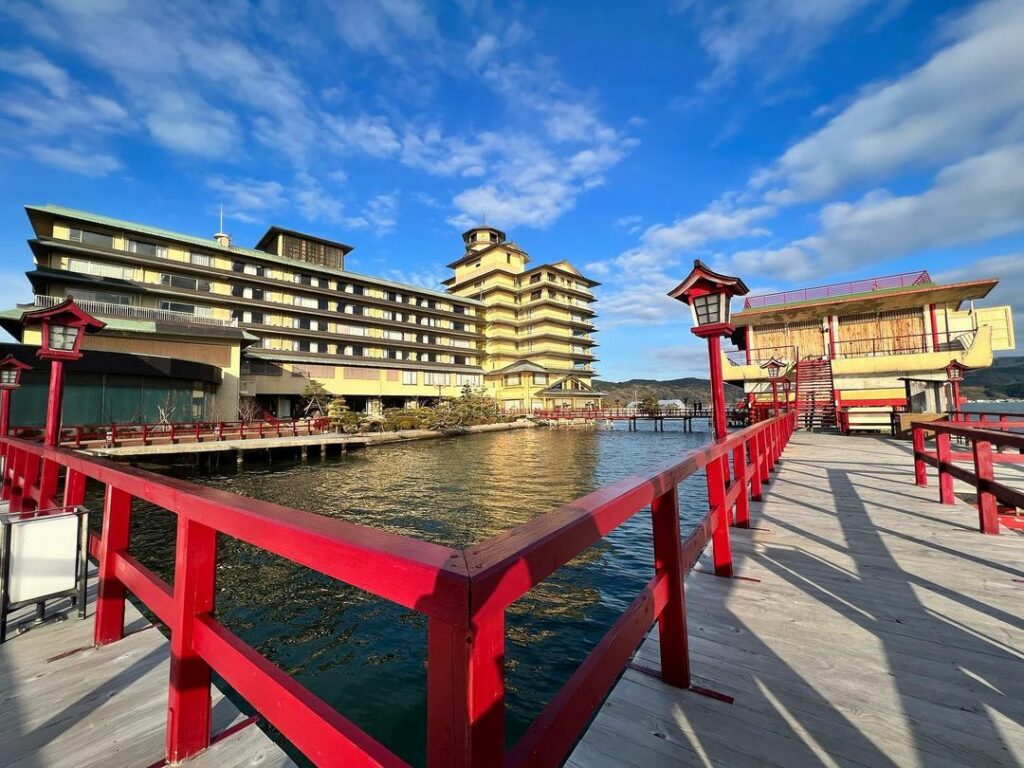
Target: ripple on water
(367, 657)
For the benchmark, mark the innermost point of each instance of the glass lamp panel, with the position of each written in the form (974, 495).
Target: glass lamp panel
(706, 309)
(8, 376)
(63, 337)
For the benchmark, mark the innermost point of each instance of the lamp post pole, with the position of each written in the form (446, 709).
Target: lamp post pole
(54, 403)
(717, 386)
(775, 396)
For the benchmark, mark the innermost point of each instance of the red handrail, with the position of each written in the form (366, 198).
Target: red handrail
(464, 594)
(902, 280)
(114, 433)
(991, 493)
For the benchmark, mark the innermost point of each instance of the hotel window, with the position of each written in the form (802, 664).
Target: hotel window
(428, 357)
(535, 295)
(353, 309)
(102, 297)
(101, 270)
(259, 318)
(393, 296)
(305, 280)
(534, 279)
(304, 301)
(201, 259)
(463, 343)
(387, 314)
(91, 238)
(478, 284)
(459, 359)
(512, 380)
(428, 303)
(394, 354)
(188, 283)
(579, 365)
(472, 379)
(248, 269)
(436, 379)
(355, 351)
(352, 330)
(426, 338)
(459, 310)
(188, 309)
(475, 266)
(147, 249)
(409, 377)
(540, 378)
(458, 326)
(247, 293)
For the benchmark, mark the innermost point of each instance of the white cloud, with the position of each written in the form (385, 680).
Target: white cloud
(383, 26)
(969, 96)
(84, 162)
(248, 200)
(630, 223)
(370, 135)
(969, 202)
(32, 65)
(185, 125)
(769, 36)
(1009, 268)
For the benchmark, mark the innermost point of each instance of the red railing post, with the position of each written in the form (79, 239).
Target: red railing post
(722, 550)
(739, 462)
(173, 433)
(113, 433)
(920, 468)
(945, 479)
(220, 430)
(78, 437)
(188, 702)
(74, 488)
(988, 519)
(48, 485)
(145, 434)
(198, 428)
(755, 460)
(466, 693)
(117, 511)
(668, 564)
(765, 469)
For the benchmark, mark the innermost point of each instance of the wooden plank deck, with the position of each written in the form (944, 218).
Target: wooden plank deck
(883, 630)
(64, 704)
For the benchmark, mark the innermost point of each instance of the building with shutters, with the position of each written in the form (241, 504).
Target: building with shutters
(855, 352)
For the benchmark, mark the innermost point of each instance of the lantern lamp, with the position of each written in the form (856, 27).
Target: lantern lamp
(63, 327)
(774, 368)
(955, 370)
(709, 295)
(10, 372)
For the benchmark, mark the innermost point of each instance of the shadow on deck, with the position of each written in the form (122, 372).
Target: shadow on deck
(882, 629)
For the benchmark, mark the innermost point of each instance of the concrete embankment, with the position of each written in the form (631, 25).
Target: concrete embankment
(303, 444)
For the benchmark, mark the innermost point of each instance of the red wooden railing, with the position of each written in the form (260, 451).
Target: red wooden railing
(903, 280)
(997, 502)
(464, 594)
(114, 434)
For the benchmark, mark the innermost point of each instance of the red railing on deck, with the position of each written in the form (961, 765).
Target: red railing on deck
(464, 594)
(997, 502)
(115, 434)
(903, 280)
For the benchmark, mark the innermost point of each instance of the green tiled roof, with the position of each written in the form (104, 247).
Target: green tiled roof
(113, 323)
(213, 245)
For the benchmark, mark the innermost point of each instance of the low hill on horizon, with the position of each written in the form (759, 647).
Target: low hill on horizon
(687, 389)
(1005, 379)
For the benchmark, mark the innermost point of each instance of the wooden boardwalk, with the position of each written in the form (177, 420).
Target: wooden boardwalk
(882, 630)
(64, 704)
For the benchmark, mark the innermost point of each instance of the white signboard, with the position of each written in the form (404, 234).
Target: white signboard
(44, 557)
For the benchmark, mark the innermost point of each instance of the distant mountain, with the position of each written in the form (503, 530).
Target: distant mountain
(688, 389)
(1005, 379)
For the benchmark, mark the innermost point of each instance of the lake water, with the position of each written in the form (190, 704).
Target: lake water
(366, 657)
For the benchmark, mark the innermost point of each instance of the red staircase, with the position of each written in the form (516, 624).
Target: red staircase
(815, 395)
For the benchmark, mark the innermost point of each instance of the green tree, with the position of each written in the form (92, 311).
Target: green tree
(649, 405)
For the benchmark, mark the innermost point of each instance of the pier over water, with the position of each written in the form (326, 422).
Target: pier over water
(854, 621)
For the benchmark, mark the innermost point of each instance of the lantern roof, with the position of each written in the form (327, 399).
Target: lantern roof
(65, 313)
(774, 362)
(703, 280)
(12, 362)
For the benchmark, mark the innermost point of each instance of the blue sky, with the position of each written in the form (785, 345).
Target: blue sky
(790, 142)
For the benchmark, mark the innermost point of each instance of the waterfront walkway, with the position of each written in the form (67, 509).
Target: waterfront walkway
(66, 704)
(871, 626)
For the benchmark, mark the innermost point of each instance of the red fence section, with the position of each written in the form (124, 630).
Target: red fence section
(903, 280)
(114, 434)
(464, 594)
(997, 502)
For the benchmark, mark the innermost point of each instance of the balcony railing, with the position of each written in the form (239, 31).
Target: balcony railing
(133, 312)
(904, 280)
(911, 344)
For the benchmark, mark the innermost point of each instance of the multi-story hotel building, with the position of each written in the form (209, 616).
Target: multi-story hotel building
(264, 321)
(538, 323)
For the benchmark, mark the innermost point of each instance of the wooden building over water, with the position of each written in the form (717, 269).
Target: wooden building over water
(856, 352)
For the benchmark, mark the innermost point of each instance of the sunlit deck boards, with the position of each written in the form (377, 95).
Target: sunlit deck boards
(65, 704)
(884, 630)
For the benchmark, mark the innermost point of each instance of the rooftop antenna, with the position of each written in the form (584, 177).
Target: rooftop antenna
(222, 237)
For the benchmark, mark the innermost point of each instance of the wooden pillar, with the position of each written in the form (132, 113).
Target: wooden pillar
(675, 653)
